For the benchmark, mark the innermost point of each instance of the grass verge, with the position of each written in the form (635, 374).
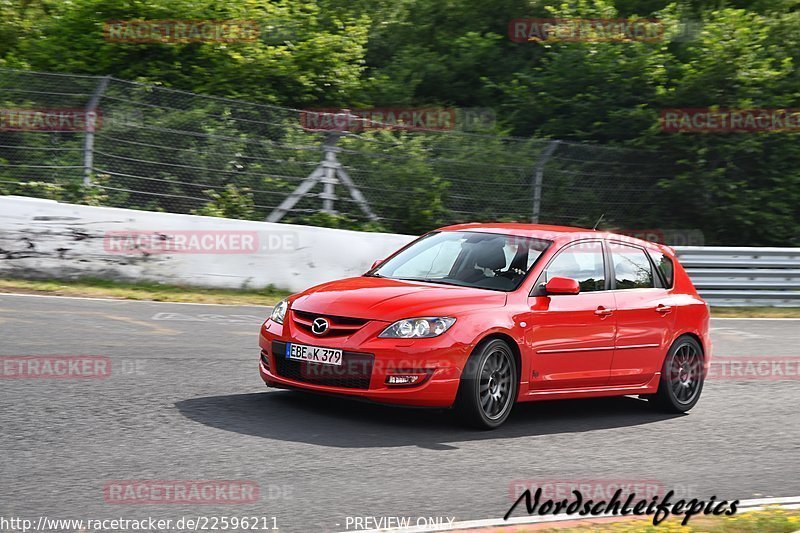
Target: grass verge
(98, 288)
(771, 520)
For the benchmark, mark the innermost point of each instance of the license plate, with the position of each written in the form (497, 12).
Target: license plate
(314, 354)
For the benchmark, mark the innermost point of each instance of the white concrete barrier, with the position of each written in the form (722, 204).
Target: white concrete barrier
(46, 239)
(43, 238)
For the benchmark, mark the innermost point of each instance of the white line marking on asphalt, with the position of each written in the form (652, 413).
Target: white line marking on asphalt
(208, 317)
(792, 502)
(118, 300)
(732, 332)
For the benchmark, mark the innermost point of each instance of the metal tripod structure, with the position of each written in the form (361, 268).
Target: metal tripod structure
(329, 173)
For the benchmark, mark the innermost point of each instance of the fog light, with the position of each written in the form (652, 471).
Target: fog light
(402, 379)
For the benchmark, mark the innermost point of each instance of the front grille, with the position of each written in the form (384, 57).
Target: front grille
(354, 372)
(339, 325)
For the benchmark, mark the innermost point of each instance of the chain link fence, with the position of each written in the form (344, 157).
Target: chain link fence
(104, 141)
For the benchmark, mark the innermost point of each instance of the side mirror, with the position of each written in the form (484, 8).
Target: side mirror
(559, 285)
(376, 264)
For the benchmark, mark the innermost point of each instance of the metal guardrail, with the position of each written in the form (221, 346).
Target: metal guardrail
(728, 276)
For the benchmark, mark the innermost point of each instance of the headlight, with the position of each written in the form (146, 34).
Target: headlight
(418, 328)
(279, 311)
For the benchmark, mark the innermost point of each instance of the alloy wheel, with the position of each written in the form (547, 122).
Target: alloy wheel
(495, 384)
(685, 373)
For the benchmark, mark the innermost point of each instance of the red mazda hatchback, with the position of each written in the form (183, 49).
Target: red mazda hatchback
(480, 316)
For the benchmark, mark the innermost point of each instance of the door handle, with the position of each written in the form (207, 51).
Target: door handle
(663, 309)
(602, 311)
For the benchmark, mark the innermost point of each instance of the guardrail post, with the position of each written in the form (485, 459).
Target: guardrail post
(329, 180)
(538, 177)
(91, 124)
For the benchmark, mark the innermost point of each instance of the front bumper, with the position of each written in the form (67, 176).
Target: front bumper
(439, 357)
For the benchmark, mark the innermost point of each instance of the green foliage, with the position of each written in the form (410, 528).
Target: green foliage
(316, 62)
(738, 188)
(230, 202)
(69, 192)
(339, 221)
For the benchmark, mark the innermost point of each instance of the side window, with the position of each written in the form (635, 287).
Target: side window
(582, 262)
(664, 264)
(632, 268)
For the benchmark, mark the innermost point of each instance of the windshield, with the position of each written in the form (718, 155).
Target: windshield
(468, 259)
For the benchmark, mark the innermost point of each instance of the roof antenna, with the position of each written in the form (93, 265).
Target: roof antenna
(598, 221)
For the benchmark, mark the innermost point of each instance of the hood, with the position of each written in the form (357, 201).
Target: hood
(389, 300)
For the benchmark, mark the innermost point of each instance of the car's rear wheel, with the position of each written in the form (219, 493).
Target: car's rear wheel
(488, 385)
(682, 377)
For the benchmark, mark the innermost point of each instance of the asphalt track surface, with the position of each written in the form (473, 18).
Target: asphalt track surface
(184, 402)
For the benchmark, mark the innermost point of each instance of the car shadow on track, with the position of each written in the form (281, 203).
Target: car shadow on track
(338, 422)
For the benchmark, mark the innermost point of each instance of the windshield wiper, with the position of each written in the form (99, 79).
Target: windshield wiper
(437, 281)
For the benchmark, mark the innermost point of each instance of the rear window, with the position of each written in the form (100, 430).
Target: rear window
(665, 266)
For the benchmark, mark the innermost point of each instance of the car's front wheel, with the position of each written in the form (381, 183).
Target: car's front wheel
(682, 377)
(488, 385)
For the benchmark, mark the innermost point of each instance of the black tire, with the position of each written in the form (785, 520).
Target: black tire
(488, 386)
(682, 377)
